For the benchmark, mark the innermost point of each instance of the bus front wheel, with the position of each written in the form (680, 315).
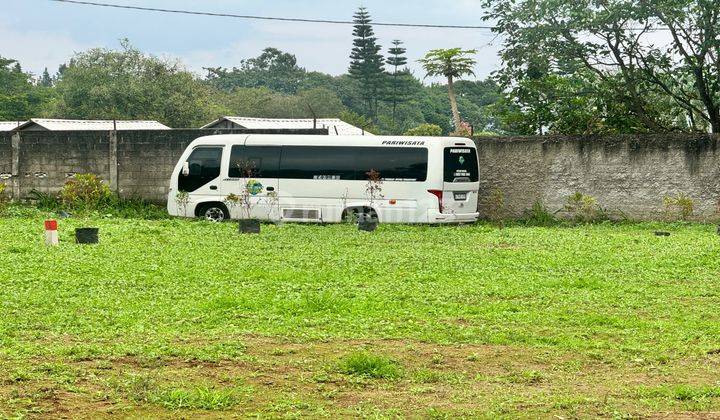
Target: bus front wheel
(213, 212)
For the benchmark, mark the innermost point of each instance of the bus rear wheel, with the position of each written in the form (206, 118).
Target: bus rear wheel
(213, 212)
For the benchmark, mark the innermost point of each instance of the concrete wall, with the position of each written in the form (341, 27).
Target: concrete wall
(5, 156)
(627, 174)
(135, 163)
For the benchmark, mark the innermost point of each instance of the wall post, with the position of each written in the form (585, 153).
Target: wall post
(15, 171)
(113, 162)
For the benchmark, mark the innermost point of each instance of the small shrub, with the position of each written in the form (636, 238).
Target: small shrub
(484, 135)
(527, 377)
(369, 366)
(134, 208)
(427, 376)
(539, 215)
(426, 130)
(583, 208)
(681, 392)
(678, 207)
(202, 398)
(44, 201)
(85, 192)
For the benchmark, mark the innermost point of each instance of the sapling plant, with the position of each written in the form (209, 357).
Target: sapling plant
(373, 192)
(351, 217)
(249, 188)
(182, 199)
(272, 200)
(232, 201)
(374, 186)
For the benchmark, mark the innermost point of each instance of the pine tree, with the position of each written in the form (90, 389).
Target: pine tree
(46, 80)
(367, 64)
(399, 77)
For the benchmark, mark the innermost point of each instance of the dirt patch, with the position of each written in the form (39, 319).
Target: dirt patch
(275, 376)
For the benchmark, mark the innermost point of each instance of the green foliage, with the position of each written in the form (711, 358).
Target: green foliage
(20, 98)
(587, 295)
(197, 398)
(85, 192)
(133, 208)
(681, 392)
(429, 130)
(262, 102)
(368, 365)
(272, 69)
(366, 62)
(539, 215)
(359, 121)
(622, 79)
(679, 207)
(452, 63)
(583, 208)
(399, 79)
(127, 84)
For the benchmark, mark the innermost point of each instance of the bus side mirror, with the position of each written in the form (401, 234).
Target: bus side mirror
(186, 169)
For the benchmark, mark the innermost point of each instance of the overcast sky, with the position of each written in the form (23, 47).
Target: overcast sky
(41, 33)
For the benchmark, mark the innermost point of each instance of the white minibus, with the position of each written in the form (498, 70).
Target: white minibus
(323, 179)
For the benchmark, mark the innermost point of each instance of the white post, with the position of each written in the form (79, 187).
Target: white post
(51, 234)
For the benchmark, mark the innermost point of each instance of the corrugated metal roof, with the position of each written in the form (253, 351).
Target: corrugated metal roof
(89, 125)
(10, 125)
(335, 126)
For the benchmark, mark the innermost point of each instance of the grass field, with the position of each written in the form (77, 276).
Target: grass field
(181, 318)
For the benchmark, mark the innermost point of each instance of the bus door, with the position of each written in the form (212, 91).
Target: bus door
(201, 174)
(255, 168)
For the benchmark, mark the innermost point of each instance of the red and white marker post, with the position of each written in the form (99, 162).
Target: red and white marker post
(51, 233)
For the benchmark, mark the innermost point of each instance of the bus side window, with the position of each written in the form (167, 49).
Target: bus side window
(260, 161)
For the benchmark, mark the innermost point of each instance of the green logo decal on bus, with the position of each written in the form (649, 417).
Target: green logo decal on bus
(254, 187)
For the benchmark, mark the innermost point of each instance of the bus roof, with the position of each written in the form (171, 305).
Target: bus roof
(320, 140)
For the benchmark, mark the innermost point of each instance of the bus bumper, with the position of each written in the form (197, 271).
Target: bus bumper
(435, 216)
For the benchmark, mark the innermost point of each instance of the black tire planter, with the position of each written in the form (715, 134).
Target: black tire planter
(87, 235)
(367, 223)
(249, 226)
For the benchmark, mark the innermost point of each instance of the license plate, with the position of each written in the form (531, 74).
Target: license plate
(460, 196)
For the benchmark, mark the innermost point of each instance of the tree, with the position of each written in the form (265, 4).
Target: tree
(273, 69)
(265, 103)
(19, 98)
(45, 79)
(359, 121)
(399, 89)
(452, 63)
(426, 130)
(127, 84)
(367, 64)
(609, 53)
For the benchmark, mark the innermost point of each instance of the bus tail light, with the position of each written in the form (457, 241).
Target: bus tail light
(439, 195)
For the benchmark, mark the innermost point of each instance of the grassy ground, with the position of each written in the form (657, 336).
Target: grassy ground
(180, 318)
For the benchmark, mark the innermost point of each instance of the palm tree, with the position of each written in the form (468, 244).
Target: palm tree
(452, 63)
